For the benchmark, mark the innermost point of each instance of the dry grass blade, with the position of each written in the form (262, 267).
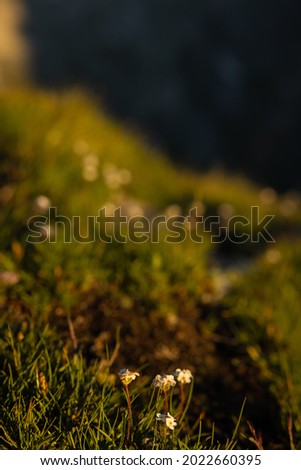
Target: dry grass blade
(255, 438)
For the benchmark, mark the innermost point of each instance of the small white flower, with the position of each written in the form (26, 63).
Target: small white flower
(90, 167)
(90, 173)
(164, 382)
(115, 177)
(126, 376)
(289, 206)
(168, 420)
(173, 210)
(184, 376)
(109, 208)
(42, 203)
(133, 209)
(9, 278)
(273, 256)
(91, 160)
(268, 196)
(125, 176)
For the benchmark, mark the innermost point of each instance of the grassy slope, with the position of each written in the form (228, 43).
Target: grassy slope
(170, 301)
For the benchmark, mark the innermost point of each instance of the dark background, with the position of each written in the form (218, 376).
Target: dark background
(213, 82)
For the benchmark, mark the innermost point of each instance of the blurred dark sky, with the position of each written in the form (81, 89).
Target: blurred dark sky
(214, 82)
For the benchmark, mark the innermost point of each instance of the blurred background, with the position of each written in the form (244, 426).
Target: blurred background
(154, 107)
(212, 82)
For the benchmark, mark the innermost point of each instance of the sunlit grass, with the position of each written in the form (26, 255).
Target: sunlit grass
(229, 312)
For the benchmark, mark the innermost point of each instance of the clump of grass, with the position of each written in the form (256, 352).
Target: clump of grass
(258, 296)
(53, 400)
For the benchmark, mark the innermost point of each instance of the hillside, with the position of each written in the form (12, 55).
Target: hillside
(78, 309)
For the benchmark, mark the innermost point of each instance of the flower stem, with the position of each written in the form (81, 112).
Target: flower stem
(182, 398)
(130, 415)
(165, 401)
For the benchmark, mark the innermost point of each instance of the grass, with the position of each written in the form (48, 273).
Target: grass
(73, 315)
(50, 400)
